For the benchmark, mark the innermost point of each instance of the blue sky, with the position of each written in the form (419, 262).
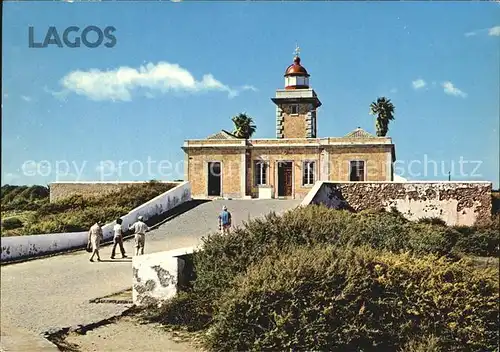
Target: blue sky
(181, 70)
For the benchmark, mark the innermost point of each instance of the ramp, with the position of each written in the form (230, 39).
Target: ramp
(189, 227)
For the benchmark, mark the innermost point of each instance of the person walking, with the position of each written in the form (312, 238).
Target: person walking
(225, 221)
(118, 239)
(140, 228)
(94, 238)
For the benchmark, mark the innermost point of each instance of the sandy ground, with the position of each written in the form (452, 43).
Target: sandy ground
(128, 334)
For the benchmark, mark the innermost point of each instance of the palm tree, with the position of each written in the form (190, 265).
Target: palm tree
(243, 126)
(384, 110)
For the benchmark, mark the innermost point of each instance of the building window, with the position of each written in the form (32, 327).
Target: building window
(290, 81)
(294, 109)
(260, 173)
(308, 169)
(357, 170)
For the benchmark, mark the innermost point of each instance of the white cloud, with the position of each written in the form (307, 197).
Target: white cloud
(493, 31)
(120, 83)
(393, 90)
(418, 84)
(26, 98)
(450, 89)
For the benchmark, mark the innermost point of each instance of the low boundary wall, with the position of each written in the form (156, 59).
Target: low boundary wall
(156, 277)
(457, 203)
(19, 247)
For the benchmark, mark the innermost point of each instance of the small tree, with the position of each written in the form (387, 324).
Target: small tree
(384, 110)
(243, 126)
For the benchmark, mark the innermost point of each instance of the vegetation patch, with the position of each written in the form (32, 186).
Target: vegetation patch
(72, 214)
(330, 299)
(426, 262)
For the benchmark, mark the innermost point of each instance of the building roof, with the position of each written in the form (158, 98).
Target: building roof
(296, 69)
(359, 133)
(223, 134)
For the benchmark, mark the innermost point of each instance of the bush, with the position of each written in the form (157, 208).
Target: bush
(22, 198)
(357, 299)
(11, 223)
(78, 213)
(224, 257)
(432, 220)
(483, 242)
(424, 344)
(495, 201)
(424, 238)
(185, 309)
(10, 192)
(35, 192)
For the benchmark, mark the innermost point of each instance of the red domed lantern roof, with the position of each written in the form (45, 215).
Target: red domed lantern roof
(296, 69)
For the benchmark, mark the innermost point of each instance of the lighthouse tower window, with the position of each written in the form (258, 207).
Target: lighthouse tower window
(302, 81)
(294, 109)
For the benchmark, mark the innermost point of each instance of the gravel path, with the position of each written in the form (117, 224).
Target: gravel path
(54, 292)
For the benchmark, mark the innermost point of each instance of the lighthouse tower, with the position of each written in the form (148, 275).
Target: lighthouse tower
(296, 104)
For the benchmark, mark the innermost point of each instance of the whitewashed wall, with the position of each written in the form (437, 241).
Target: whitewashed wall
(155, 276)
(18, 247)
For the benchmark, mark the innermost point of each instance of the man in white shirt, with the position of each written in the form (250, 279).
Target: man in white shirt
(140, 229)
(118, 239)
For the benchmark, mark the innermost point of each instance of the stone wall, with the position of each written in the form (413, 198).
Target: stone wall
(457, 203)
(156, 277)
(60, 190)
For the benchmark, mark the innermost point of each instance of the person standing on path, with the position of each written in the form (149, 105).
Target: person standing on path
(140, 229)
(225, 221)
(118, 239)
(94, 239)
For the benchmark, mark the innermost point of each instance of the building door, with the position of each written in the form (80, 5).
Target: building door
(214, 179)
(285, 181)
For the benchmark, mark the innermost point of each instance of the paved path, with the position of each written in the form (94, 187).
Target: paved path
(54, 292)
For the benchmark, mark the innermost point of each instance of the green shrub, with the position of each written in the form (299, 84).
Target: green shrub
(224, 257)
(424, 238)
(495, 202)
(21, 198)
(483, 242)
(328, 299)
(432, 220)
(78, 213)
(424, 344)
(11, 223)
(10, 193)
(185, 309)
(35, 192)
